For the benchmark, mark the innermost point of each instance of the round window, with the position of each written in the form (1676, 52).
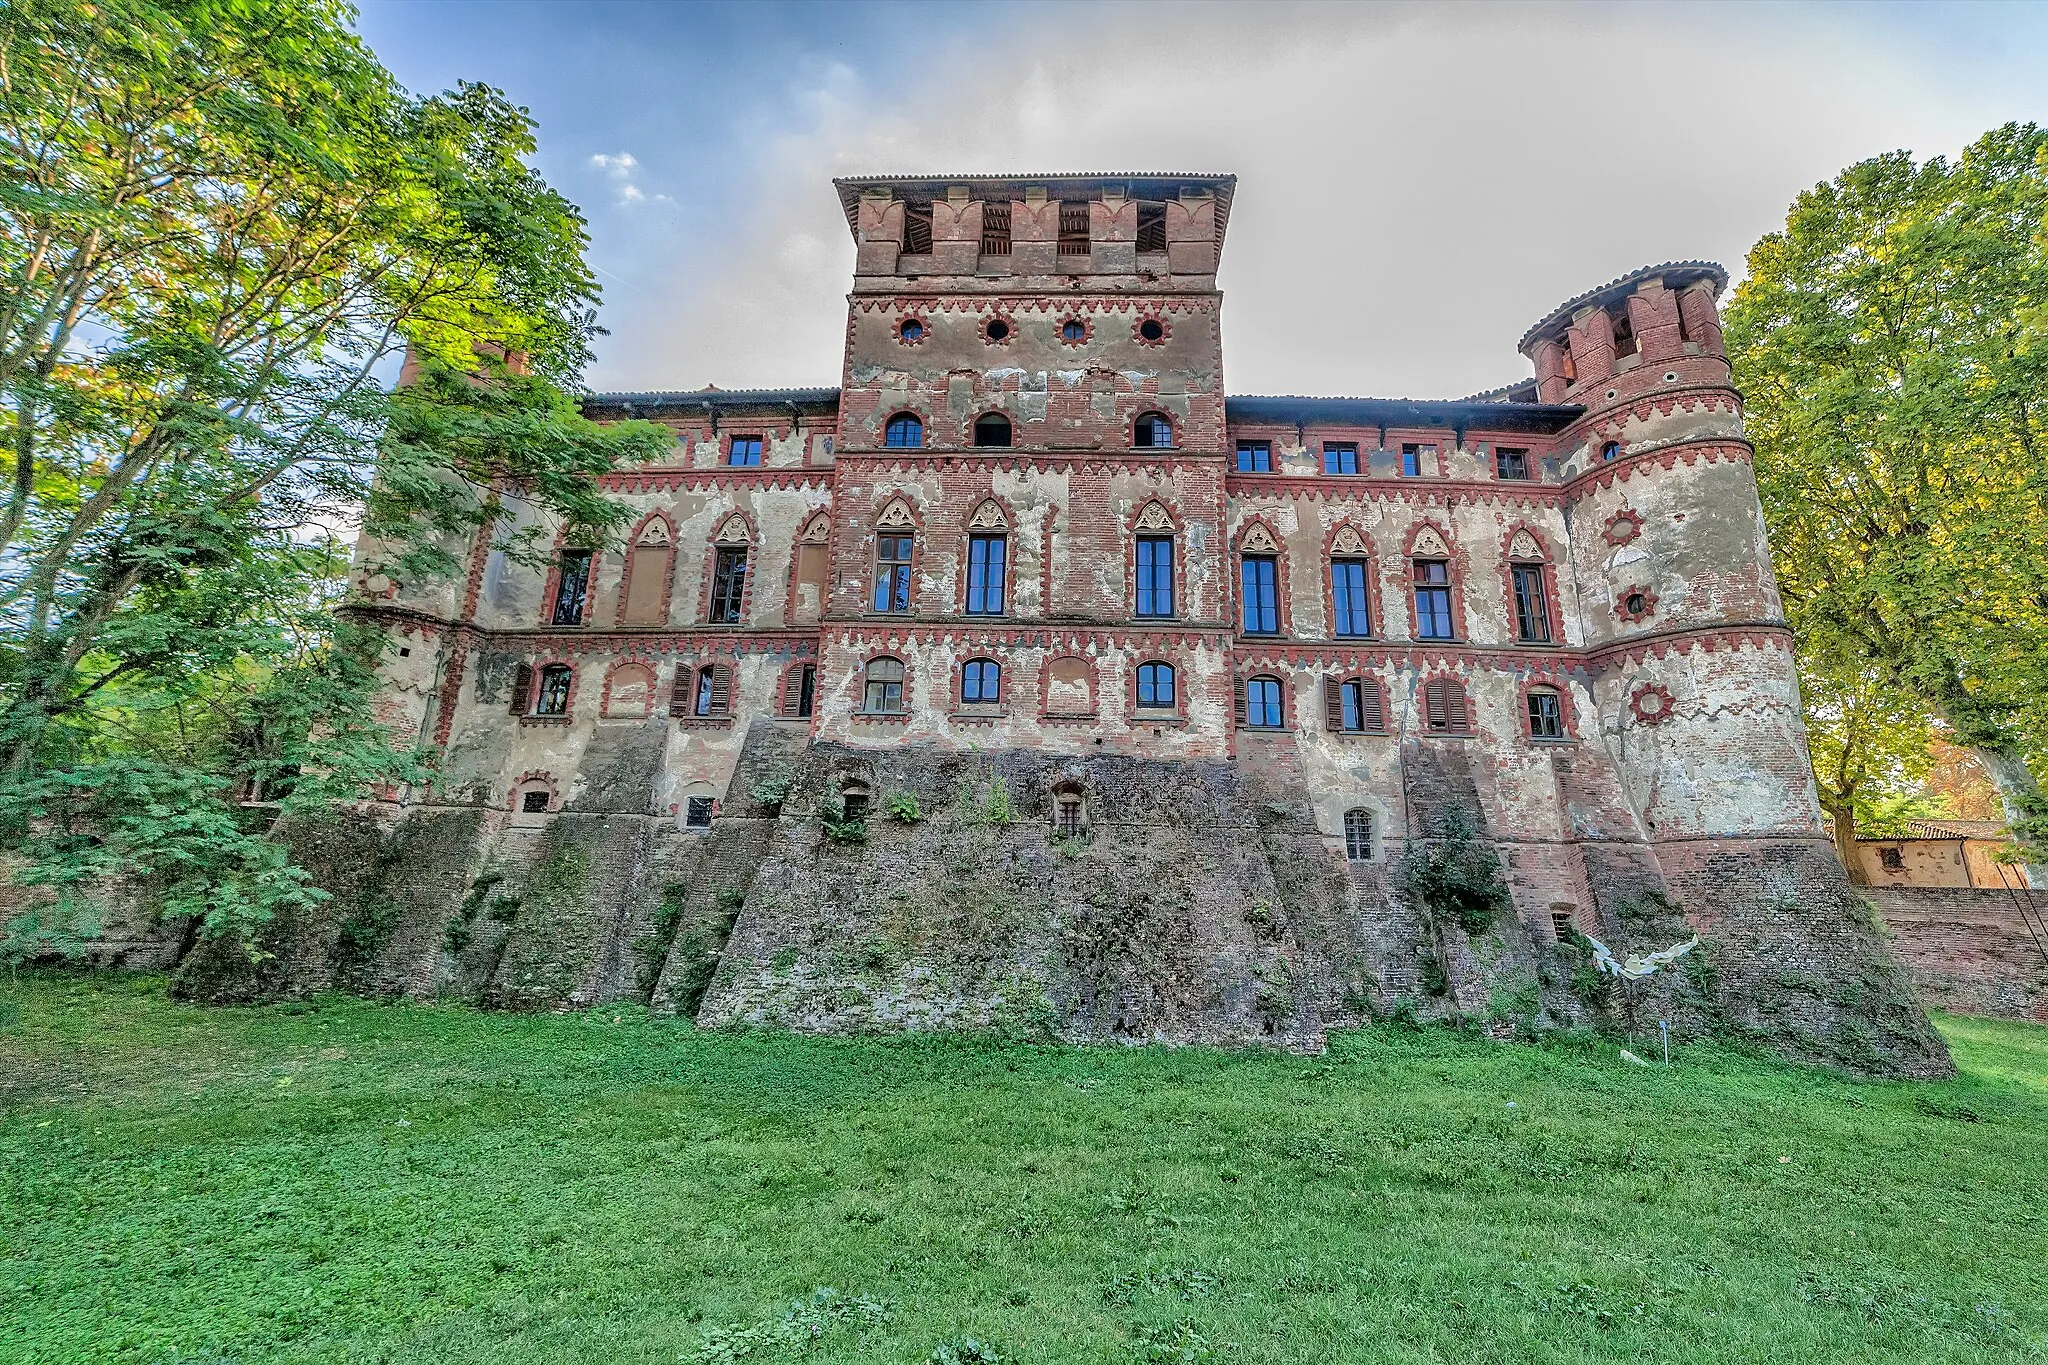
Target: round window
(1073, 329)
(910, 329)
(1151, 330)
(1636, 604)
(997, 330)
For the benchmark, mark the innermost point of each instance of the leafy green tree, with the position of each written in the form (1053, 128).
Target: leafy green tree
(1870, 749)
(220, 225)
(1892, 345)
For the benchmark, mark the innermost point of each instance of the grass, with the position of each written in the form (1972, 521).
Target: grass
(346, 1181)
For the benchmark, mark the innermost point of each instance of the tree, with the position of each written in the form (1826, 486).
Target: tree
(1892, 346)
(220, 224)
(1870, 746)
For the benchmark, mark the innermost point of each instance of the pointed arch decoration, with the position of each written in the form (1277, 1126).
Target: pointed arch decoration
(1155, 518)
(896, 516)
(1258, 540)
(989, 517)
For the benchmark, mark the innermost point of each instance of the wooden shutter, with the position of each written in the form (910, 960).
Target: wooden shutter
(792, 689)
(721, 689)
(1242, 708)
(1455, 711)
(1434, 705)
(1333, 703)
(522, 689)
(1372, 705)
(679, 695)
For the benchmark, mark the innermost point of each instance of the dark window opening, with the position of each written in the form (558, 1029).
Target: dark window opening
(910, 329)
(1074, 330)
(1624, 335)
(1684, 327)
(1433, 600)
(995, 229)
(1609, 451)
(1262, 703)
(1155, 576)
(904, 432)
(1349, 598)
(1155, 686)
(1511, 464)
(799, 691)
(1532, 605)
(1561, 922)
(745, 452)
(1340, 457)
(853, 804)
(1546, 714)
(917, 229)
(553, 699)
(1411, 458)
(697, 812)
(1260, 577)
(728, 586)
(1152, 431)
(1254, 457)
(1358, 835)
(533, 802)
(884, 691)
(1565, 365)
(1151, 329)
(997, 330)
(572, 591)
(987, 558)
(1073, 228)
(992, 429)
(1151, 225)
(1444, 711)
(892, 572)
(1636, 603)
(1892, 859)
(981, 682)
(714, 692)
(1067, 815)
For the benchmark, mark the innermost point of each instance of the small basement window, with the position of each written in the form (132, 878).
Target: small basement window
(1067, 814)
(1561, 921)
(853, 803)
(697, 812)
(534, 802)
(1892, 858)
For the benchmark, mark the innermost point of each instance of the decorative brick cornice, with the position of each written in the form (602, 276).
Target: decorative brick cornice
(1053, 305)
(1010, 459)
(1710, 639)
(658, 480)
(1426, 492)
(656, 644)
(1518, 662)
(1711, 450)
(1055, 639)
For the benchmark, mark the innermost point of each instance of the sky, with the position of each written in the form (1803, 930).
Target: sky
(1417, 183)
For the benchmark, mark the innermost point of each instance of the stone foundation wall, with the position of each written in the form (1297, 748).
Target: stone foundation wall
(1969, 951)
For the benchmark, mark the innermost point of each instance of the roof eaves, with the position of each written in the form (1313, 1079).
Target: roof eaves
(1697, 269)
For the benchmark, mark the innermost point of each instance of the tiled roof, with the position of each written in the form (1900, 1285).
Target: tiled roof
(1958, 829)
(1405, 412)
(716, 398)
(1687, 271)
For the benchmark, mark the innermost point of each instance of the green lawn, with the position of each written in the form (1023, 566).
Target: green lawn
(347, 1181)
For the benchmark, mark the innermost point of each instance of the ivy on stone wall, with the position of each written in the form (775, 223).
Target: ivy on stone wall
(1456, 878)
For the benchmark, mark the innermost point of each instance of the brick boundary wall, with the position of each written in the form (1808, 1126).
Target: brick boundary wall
(1967, 950)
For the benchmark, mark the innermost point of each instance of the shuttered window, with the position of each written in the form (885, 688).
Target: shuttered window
(1355, 706)
(799, 687)
(522, 689)
(714, 691)
(1444, 709)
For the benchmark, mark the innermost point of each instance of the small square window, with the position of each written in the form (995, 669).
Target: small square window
(697, 812)
(1340, 457)
(1254, 457)
(1511, 464)
(1892, 858)
(746, 451)
(1413, 456)
(533, 802)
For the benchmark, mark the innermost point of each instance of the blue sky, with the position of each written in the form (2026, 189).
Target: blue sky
(1417, 183)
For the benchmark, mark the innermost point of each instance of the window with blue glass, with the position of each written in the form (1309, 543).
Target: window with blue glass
(1262, 703)
(1259, 576)
(1412, 457)
(1155, 575)
(1348, 596)
(1152, 431)
(904, 432)
(892, 572)
(744, 451)
(1433, 600)
(1340, 457)
(1254, 457)
(986, 561)
(981, 682)
(1155, 686)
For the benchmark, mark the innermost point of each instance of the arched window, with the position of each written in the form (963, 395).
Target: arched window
(1444, 709)
(1068, 813)
(1546, 713)
(553, 698)
(645, 596)
(1258, 703)
(992, 429)
(1609, 451)
(981, 682)
(572, 588)
(1358, 835)
(714, 691)
(884, 691)
(1154, 430)
(1155, 686)
(1355, 706)
(904, 432)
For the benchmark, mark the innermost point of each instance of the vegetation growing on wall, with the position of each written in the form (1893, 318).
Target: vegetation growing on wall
(1454, 877)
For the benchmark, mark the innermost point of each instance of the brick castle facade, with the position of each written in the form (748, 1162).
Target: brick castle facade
(1031, 528)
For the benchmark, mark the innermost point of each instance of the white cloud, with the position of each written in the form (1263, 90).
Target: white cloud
(620, 170)
(1418, 185)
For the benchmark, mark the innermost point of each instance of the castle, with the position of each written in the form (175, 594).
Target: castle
(1029, 679)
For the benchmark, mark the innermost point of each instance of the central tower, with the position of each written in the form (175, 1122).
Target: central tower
(1028, 488)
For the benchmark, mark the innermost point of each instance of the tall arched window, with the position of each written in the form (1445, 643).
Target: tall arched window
(981, 682)
(884, 691)
(1154, 431)
(1259, 703)
(1155, 686)
(1358, 835)
(892, 571)
(904, 432)
(992, 429)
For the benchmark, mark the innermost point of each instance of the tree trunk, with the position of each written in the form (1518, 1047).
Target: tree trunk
(2019, 794)
(1842, 825)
